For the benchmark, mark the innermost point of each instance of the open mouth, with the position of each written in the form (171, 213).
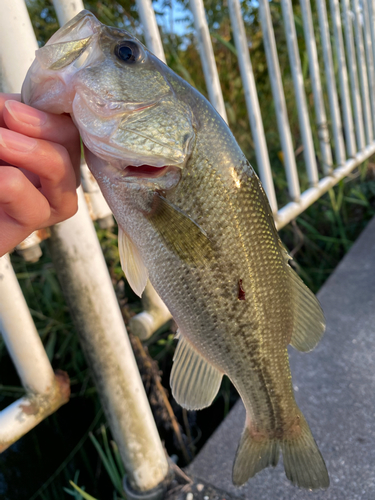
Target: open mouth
(146, 171)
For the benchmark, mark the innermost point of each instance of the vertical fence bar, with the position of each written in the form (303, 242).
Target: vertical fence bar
(343, 79)
(25, 349)
(331, 83)
(353, 74)
(87, 286)
(279, 98)
(14, 66)
(252, 102)
(371, 7)
(362, 73)
(369, 59)
(150, 28)
(321, 119)
(303, 114)
(12, 75)
(208, 59)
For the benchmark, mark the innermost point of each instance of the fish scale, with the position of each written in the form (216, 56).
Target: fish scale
(201, 229)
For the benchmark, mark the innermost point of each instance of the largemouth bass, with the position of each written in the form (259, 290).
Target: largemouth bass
(194, 219)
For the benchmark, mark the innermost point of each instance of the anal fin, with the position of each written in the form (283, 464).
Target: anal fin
(194, 381)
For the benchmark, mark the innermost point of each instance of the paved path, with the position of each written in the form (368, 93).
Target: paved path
(335, 388)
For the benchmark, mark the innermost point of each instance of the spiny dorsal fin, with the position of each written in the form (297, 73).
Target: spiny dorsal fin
(194, 381)
(181, 233)
(132, 263)
(309, 322)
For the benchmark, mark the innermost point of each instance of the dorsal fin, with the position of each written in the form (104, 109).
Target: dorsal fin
(132, 263)
(194, 381)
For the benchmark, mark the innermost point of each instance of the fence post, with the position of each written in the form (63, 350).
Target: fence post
(88, 289)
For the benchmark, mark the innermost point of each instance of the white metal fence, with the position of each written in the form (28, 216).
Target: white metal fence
(346, 131)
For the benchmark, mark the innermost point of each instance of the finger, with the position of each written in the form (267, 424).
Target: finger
(21, 200)
(3, 99)
(47, 126)
(51, 162)
(22, 208)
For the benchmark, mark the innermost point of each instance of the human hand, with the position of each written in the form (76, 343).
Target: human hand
(39, 170)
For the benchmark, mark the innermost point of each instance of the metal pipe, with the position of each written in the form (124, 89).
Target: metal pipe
(29, 248)
(98, 207)
(321, 119)
(252, 102)
(45, 391)
(22, 49)
(16, 32)
(24, 414)
(150, 28)
(279, 98)
(303, 114)
(20, 335)
(207, 57)
(331, 83)
(308, 197)
(353, 74)
(362, 73)
(343, 79)
(88, 289)
(155, 314)
(371, 7)
(369, 59)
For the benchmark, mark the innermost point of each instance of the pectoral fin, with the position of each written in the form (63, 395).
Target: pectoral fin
(181, 233)
(194, 381)
(132, 263)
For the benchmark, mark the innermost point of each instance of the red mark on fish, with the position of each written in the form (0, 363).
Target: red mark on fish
(241, 291)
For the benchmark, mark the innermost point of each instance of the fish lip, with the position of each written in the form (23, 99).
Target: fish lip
(147, 171)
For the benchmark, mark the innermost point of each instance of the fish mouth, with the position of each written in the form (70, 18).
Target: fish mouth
(146, 171)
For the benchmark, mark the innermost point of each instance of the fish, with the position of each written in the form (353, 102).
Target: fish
(193, 219)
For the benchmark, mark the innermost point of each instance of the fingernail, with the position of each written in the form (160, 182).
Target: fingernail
(18, 142)
(26, 114)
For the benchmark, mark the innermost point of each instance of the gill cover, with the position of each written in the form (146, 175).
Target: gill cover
(60, 55)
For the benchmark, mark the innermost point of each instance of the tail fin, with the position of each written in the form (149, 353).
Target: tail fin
(252, 456)
(304, 465)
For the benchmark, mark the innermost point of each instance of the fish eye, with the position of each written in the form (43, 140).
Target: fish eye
(129, 52)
